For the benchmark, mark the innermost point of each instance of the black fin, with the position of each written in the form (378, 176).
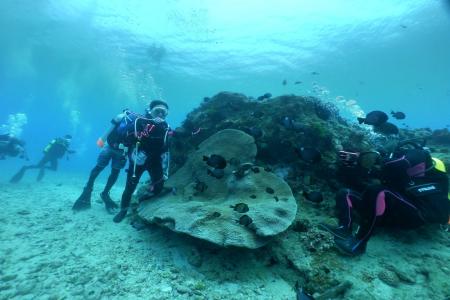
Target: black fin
(19, 175)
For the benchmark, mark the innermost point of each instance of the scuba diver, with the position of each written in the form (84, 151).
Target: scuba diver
(11, 146)
(116, 151)
(52, 152)
(409, 189)
(150, 153)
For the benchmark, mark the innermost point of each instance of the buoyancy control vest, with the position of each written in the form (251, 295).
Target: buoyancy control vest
(423, 179)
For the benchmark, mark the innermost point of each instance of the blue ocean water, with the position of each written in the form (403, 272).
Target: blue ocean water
(71, 66)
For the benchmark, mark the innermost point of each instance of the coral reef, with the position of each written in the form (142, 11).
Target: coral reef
(210, 212)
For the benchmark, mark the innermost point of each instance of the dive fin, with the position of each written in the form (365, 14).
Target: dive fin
(19, 175)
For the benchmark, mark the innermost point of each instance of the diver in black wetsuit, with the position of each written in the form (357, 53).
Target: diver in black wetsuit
(150, 153)
(11, 146)
(52, 152)
(116, 151)
(412, 191)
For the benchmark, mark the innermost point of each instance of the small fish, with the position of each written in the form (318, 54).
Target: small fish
(276, 198)
(200, 186)
(260, 98)
(309, 154)
(404, 26)
(386, 129)
(267, 95)
(284, 82)
(215, 161)
(314, 73)
(270, 190)
(398, 115)
(298, 82)
(313, 196)
(245, 220)
(374, 118)
(255, 170)
(240, 207)
(290, 123)
(253, 196)
(217, 173)
(242, 170)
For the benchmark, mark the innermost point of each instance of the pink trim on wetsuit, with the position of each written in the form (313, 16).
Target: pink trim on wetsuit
(349, 206)
(397, 160)
(382, 201)
(380, 206)
(417, 170)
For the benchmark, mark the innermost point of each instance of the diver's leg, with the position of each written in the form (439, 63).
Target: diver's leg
(156, 174)
(110, 205)
(41, 166)
(370, 208)
(118, 161)
(130, 187)
(346, 201)
(84, 201)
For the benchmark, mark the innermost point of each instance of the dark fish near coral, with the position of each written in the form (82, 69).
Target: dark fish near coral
(309, 154)
(284, 82)
(242, 170)
(375, 118)
(200, 186)
(270, 190)
(260, 98)
(398, 115)
(255, 170)
(253, 196)
(267, 95)
(313, 196)
(240, 207)
(245, 220)
(206, 99)
(314, 73)
(215, 161)
(386, 129)
(217, 173)
(301, 294)
(298, 82)
(290, 123)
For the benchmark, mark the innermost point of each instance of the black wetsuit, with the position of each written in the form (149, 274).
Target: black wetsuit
(154, 145)
(55, 150)
(11, 146)
(110, 152)
(412, 193)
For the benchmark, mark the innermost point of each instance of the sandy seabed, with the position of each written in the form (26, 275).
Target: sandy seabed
(49, 252)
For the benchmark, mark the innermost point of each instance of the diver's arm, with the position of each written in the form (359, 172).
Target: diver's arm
(114, 123)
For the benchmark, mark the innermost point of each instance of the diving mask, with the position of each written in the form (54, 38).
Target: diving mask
(159, 111)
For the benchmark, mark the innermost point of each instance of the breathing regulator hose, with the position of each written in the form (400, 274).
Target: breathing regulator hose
(136, 151)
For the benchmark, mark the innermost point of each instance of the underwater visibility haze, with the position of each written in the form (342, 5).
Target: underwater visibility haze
(69, 67)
